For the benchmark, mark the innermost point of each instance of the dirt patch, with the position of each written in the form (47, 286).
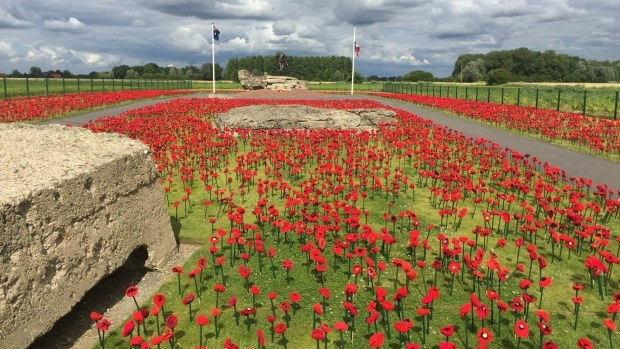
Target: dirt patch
(293, 94)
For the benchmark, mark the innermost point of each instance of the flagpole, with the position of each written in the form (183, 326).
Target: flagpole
(353, 66)
(213, 55)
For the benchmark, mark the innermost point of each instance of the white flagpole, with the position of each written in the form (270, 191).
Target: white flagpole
(213, 55)
(353, 67)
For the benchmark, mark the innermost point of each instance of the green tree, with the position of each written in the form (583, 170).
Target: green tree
(418, 75)
(16, 74)
(498, 76)
(35, 72)
(120, 71)
(474, 71)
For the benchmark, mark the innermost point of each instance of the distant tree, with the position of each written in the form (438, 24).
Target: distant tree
(373, 78)
(151, 68)
(474, 71)
(120, 71)
(16, 74)
(132, 74)
(498, 76)
(66, 74)
(35, 72)
(94, 74)
(338, 76)
(418, 75)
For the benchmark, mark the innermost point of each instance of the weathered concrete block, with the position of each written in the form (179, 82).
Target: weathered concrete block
(73, 206)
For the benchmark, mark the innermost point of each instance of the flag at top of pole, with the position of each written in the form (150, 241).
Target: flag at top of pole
(216, 37)
(356, 52)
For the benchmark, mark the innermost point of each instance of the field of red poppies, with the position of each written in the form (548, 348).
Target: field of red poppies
(412, 236)
(32, 109)
(597, 136)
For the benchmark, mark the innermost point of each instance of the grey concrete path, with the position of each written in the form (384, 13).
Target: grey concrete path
(575, 164)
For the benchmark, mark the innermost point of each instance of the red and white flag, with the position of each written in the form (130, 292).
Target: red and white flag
(357, 50)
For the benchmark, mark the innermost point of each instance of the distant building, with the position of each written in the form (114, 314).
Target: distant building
(2, 75)
(55, 76)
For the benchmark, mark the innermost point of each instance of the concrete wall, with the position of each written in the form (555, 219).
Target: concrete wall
(73, 206)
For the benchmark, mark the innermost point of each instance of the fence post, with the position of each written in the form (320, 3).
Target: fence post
(92, 87)
(47, 92)
(27, 88)
(78, 83)
(489, 95)
(585, 98)
(466, 92)
(456, 93)
(558, 106)
(102, 84)
(502, 96)
(615, 104)
(63, 86)
(4, 84)
(439, 90)
(537, 98)
(476, 93)
(518, 96)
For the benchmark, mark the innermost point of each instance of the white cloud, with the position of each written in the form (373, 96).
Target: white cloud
(189, 40)
(6, 50)
(70, 25)
(9, 20)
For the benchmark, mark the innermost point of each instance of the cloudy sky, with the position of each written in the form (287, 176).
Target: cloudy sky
(396, 36)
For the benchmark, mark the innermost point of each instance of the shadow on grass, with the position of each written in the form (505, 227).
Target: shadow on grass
(176, 228)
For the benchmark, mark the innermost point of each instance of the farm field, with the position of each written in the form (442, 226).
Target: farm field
(410, 235)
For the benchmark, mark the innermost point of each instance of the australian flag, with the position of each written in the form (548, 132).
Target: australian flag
(216, 34)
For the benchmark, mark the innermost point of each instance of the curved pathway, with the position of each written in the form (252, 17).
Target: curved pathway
(575, 164)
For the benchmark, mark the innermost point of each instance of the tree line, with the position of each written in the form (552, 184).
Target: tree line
(525, 65)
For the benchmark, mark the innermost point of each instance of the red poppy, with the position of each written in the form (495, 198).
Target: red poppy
(370, 271)
(447, 330)
(525, 284)
(219, 288)
(159, 299)
(287, 264)
(202, 262)
(202, 320)
(261, 337)
(177, 269)
(172, 321)
(584, 343)
(245, 271)
(340, 326)
(215, 312)
(610, 324)
(545, 330)
(154, 310)
(285, 306)
(402, 326)
(317, 308)
(376, 340)
(95, 316)
(131, 291)
(545, 281)
(127, 328)
(324, 291)
(433, 292)
(255, 290)
(295, 297)
(135, 341)
(280, 328)
(542, 315)
(350, 290)
(447, 345)
(271, 318)
(577, 286)
(137, 317)
(103, 325)
(188, 299)
(356, 269)
(412, 346)
(484, 336)
(521, 329)
(247, 311)
(482, 312)
(317, 334)
(465, 308)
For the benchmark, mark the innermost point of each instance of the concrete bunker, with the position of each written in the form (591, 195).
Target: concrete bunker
(73, 206)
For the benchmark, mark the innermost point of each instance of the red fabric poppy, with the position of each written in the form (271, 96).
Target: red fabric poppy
(340, 326)
(285, 306)
(159, 299)
(287, 264)
(545, 330)
(549, 345)
(127, 328)
(137, 317)
(370, 271)
(412, 346)
(376, 340)
(95, 316)
(324, 291)
(402, 326)
(202, 262)
(465, 308)
(317, 308)
(610, 324)
(350, 289)
(577, 286)
(433, 292)
(317, 334)
(280, 328)
(484, 336)
(356, 269)
(177, 269)
(271, 318)
(272, 295)
(584, 343)
(482, 312)
(172, 321)
(295, 297)
(261, 337)
(248, 311)
(135, 341)
(232, 302)
(103, 325)
(521, 329)
(255, 290)
(131, 291)
(542, 315)
(188, 299)
(215, 312)
(202, 320)
(447, 345)
(447, 330)
(525, 284)
(545, 281)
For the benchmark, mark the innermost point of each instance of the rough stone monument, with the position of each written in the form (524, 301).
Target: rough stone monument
(73, 206)
(264, 116)
(270, 82)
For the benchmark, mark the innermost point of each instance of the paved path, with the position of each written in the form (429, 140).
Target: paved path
(575, 164)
